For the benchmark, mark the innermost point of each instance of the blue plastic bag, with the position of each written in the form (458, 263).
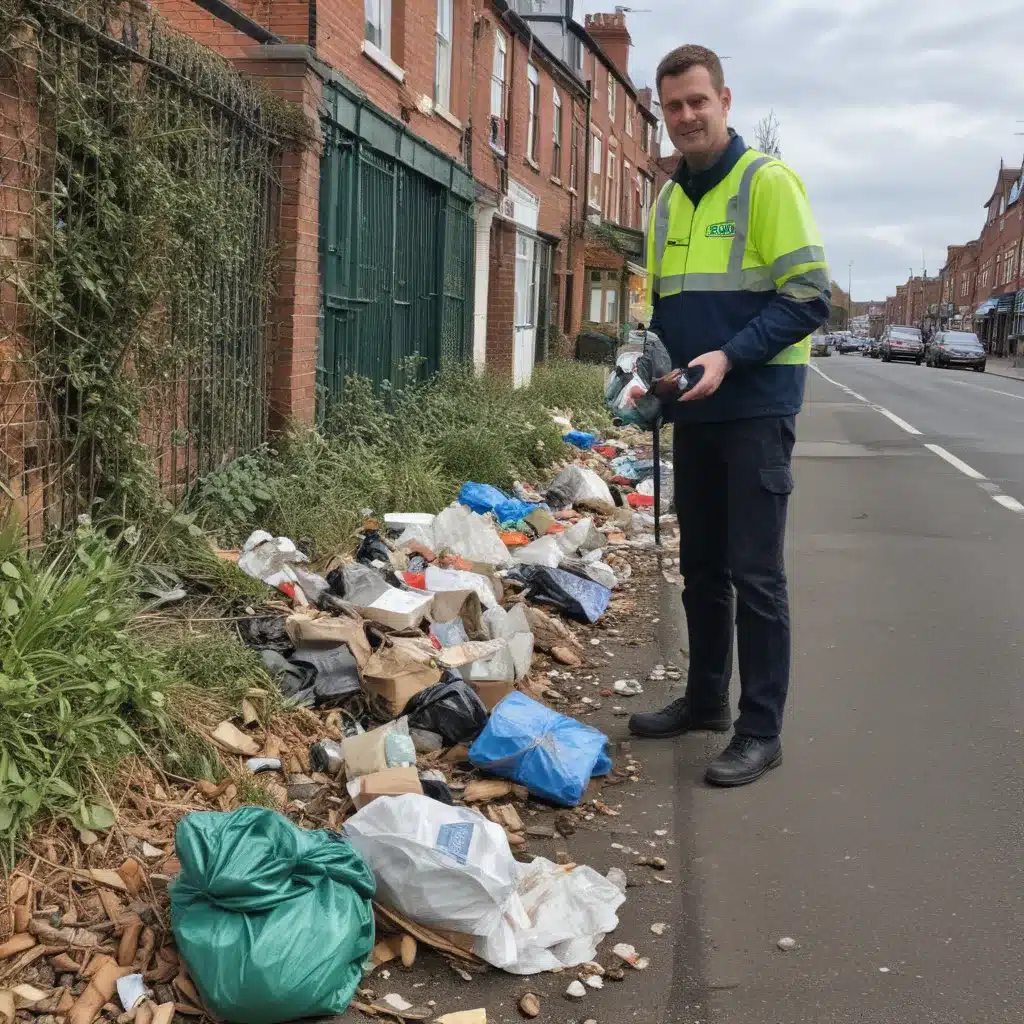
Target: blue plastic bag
(552, 755)
(581, 439)
(481, 498)
(514, 510)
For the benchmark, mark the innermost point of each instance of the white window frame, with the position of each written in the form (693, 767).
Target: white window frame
(596, 171)
(381, 10)
(532, 112)
(613, 161)
(611, 305)
(499, 92)
(596, 293)
(443, 60)
(556, 135)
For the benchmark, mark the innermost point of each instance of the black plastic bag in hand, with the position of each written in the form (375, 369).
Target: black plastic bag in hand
(451, 708)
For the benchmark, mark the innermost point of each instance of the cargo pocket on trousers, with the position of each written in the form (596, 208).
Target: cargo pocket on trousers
(777, 480)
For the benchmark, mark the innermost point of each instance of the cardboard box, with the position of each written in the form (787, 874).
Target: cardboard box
(399, 670)
(389, 782)
(492, 692)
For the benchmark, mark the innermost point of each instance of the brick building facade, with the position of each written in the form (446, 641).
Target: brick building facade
(981, 286)
(505, 96)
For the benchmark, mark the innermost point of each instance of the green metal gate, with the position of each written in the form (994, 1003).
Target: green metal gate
(396, 250)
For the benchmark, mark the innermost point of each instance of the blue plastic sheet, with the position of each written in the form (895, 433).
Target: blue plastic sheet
(581, 439)
(552, 755)
(579, 598)
(514, 510)
(481, 498)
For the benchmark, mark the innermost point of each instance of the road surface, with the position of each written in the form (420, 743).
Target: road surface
(890, 845)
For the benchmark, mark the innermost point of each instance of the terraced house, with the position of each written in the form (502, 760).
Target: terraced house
(478, 190)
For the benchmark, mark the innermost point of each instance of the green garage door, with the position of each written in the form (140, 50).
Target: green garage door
(396, 250)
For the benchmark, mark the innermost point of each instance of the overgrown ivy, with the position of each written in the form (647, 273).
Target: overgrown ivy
(151, 258)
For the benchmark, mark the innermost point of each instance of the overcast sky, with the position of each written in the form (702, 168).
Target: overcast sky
(894, 112)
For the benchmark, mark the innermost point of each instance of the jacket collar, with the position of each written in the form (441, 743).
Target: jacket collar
(698, 183)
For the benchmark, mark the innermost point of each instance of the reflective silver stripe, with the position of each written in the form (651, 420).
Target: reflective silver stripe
(661, 227)
(806, 287)
(739, 242)
(755, 279)
(672, 284)
(808, 254)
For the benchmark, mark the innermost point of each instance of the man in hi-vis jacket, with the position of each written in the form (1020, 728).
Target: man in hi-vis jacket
(738, 282)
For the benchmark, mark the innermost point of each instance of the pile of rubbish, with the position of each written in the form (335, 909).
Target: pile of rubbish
(417, 669)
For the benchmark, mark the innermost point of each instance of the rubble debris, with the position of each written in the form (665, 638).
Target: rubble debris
(658, 863)
(659, 928)
(529, 1005)
(576, 990)
(464, 1017)
(482, 791)
(786, 944)
(594, 981)
(234, 741)
(628, 954)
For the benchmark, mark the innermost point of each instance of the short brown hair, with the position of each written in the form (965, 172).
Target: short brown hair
(682, 58)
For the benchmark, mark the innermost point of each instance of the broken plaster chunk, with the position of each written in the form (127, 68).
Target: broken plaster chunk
(576, 990)
(594, 981)
(786, 943)
(628, 954)
(659, 928)
(529, 1005)
(628, 687)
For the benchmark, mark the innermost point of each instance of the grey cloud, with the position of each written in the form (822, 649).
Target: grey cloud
(894, 112)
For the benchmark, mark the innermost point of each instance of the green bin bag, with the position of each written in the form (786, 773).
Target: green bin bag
(273, 921)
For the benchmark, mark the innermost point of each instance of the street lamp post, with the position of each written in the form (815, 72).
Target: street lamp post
(849, 294)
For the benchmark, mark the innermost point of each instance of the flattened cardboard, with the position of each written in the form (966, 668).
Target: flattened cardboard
(389, 782)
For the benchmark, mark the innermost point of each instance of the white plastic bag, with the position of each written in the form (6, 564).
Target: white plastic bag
(582, 536)
(568, 914)
(462, 532)
(448, 867)
(440, 581)
(270, 559)
(514, 627)
(578, 484)
(546, 551)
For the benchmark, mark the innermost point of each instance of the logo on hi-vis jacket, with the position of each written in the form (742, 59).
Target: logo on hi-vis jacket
(726, 229)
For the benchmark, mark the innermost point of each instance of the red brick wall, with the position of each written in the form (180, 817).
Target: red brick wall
(202, 26)
(501, 297)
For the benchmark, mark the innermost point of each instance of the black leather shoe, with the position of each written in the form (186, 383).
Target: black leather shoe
(676, 719)
(745, 759)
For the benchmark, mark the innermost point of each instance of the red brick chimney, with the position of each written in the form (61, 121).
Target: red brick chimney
(611, 34)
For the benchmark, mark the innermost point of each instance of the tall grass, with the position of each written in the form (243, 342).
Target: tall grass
(410, 450)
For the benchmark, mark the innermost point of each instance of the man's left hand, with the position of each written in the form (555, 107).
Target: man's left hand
(716, 366)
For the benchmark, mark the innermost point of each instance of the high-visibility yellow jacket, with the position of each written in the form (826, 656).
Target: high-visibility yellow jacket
(735, 262)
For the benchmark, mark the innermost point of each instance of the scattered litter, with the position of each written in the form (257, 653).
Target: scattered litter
(396, 1002)
(131, 990)
(594, 981)
(580, 439)
(659, 928)
(628, 687)
(271, 559)
(464, 1017)
(553, 755)
(628, 954)
(576, 484)
(658, 863)
(578, 598)
(327, 757)
(576, 990)
(786, 944)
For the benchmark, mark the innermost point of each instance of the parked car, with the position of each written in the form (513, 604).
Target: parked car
(957, 348)
(848, 343)
(901, 343)
(821, 345)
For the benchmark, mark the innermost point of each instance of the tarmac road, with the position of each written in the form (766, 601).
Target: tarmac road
(890, 844)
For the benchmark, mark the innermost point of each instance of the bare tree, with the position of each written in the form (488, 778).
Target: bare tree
(766, 135)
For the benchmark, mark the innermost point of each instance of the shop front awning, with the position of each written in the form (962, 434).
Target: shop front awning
(986, 308)
(1019, 305)
(1005, 304)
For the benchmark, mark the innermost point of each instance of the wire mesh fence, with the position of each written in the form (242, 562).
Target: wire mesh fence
(139, 196)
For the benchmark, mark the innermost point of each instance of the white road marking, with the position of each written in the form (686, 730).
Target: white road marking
(981, 387)
(902, 424)
(955, 462)
(986, 485)
(1007, 502)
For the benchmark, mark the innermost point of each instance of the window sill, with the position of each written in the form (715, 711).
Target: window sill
(446, 115)
(382, 60)
(572, 191)
(532, 164)
(555, 180)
